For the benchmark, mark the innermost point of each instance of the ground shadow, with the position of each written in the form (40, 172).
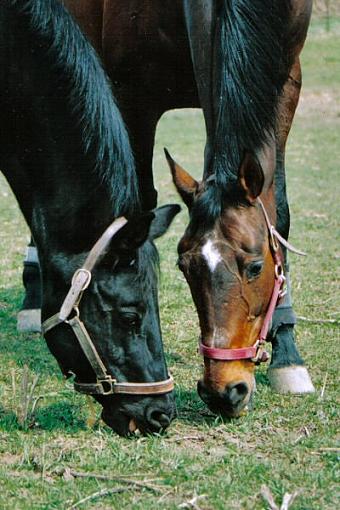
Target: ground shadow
(62, 415)
(192, 410)
(261, 379)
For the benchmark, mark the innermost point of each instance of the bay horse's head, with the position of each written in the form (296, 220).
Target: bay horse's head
(101, 322)
(228, 260)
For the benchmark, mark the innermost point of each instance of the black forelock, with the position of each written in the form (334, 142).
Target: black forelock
(88, 94)
(209, 206)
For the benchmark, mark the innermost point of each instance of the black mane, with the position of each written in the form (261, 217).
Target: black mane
(88, 94)
(252, 60)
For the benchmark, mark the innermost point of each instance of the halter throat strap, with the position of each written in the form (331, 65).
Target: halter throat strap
(69, 314)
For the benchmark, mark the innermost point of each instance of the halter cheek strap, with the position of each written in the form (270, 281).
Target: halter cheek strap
(69, 314)
(256, 353)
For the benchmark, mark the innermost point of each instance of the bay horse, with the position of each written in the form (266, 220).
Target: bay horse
(238, 60)
(67, 157)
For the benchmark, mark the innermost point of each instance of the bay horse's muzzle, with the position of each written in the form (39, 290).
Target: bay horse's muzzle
(228, 403)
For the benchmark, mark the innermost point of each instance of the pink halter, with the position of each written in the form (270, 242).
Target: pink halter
(256, 353)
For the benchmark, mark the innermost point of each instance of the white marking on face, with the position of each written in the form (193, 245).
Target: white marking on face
(211, 255)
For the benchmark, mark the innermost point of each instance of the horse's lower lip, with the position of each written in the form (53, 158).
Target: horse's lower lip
(118, 422)
(132, 425)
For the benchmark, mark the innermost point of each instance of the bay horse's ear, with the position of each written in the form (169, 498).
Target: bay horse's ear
(185, 184)
(251, 176)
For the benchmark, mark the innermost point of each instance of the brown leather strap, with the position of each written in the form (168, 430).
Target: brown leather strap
(99, 249)
(105, 385)
(275, 236)
(50, 323)
(82, 277)
(150, 388)
(88, 347)
(108, 387)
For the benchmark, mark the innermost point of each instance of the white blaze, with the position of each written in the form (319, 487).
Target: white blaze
(211, 255)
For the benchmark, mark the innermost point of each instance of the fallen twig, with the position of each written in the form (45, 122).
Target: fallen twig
(329, 449)
(79, 474)
(99, 494)
(320, 303)
(179, 439)
(318, 321)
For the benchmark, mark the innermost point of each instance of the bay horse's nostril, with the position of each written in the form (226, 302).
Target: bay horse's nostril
(236, 393)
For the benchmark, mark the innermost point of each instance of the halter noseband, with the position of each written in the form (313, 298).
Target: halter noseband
(256, 353)
(105, 384)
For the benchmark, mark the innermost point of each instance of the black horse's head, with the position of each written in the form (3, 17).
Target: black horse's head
(120, 312)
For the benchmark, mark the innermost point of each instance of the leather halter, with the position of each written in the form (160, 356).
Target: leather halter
(256, 353)
(69, 314)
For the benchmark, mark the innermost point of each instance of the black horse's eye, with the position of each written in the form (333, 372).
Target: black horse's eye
(131, 320)
(254, 269)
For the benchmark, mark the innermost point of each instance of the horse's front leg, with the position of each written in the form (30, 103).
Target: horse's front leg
(29, 319)
(141, 125)
(287, 373)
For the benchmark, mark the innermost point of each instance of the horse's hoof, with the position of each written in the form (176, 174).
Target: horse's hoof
(293, 379)
(29, 321)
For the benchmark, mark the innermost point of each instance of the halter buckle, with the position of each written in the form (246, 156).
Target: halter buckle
(261, 355)
(107, 385)
(87, 282)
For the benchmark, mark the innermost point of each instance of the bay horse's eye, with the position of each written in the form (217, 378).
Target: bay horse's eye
(254, 269)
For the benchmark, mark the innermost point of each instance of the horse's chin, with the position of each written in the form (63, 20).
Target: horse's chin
(231, 413)
(222, 408)
(119, 422)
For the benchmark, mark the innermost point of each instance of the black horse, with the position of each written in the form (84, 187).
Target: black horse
(67, 158)
(239, 61)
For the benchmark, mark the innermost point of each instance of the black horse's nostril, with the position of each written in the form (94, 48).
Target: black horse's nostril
(158, 419)
(236, 393)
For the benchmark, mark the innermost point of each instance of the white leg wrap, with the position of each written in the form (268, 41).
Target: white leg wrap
(294, 379)
(29, 321)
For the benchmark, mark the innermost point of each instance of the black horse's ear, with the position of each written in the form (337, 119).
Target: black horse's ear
(185, 184)
(134, 233)
(163, 219)
(251, 177)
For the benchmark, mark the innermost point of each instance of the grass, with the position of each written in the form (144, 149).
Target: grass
(287, 442)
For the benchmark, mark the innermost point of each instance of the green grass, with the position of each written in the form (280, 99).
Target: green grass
(287, 442)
